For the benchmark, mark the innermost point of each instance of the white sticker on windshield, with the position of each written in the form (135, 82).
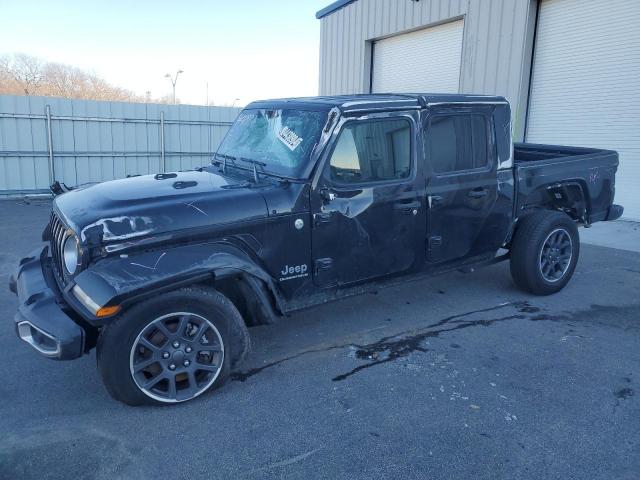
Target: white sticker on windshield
(289, 138)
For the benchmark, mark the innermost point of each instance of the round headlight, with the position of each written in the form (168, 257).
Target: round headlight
(70, 254)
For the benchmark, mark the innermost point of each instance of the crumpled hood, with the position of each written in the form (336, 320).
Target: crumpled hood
(152, 205)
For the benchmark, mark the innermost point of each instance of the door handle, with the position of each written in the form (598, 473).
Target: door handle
(407, 206)
(478, 193)
(434, 200)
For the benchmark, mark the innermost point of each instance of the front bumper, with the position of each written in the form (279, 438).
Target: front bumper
(43, 319)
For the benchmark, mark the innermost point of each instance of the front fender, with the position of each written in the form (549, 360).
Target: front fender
(126, 279)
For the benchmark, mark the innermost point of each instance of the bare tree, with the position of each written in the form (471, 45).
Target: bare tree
(61, 80)
(22, 74)
(27, 71)
(8, 83)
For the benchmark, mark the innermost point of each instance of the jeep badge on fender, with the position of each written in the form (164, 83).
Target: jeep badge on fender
(289, 273)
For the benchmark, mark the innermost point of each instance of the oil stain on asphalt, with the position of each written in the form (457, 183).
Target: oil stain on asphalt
(624, 393)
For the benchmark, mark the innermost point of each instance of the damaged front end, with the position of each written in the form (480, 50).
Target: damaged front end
(44, 320)
(109, 245)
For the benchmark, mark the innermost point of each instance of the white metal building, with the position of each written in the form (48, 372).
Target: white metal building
(570, 68)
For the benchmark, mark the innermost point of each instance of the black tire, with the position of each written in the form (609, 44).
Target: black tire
(544, 272)
(219, 330)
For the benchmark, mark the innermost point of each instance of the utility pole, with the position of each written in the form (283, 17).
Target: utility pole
(173, 81)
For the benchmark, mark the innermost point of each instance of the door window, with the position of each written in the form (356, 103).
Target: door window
(372, 151)
(457, 142)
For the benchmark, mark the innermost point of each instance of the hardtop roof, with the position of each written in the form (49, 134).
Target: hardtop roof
(375, 102)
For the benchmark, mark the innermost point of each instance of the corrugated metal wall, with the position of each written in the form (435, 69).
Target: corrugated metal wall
(496, 52)
(98, 141)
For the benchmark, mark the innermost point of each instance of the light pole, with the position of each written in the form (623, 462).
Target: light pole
(173, 81)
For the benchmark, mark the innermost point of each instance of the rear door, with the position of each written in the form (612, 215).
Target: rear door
(369, 205)
(462, 186)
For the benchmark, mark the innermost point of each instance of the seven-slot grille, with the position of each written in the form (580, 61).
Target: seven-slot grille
(58, 232)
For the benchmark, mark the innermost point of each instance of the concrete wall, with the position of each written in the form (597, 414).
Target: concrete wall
(77, 141)
(496, 52)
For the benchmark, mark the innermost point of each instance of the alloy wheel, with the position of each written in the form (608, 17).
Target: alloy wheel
(177, 357)
(555, 256)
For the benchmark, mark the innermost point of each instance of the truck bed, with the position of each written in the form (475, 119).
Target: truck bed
(543, 171)
(526, 153)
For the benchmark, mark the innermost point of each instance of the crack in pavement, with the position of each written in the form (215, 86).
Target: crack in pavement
(524, 306)
(243, 376)
(288, 461)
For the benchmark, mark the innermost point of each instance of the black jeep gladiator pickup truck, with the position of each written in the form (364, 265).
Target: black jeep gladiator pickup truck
(306, 200)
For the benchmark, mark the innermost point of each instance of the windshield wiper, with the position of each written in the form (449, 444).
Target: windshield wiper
(255, 164)
(233, 159)
(225, 157)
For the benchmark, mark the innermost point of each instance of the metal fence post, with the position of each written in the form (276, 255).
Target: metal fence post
(163, 166)
(52, 167)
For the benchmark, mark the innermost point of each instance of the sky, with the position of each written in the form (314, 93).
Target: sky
(243, 49)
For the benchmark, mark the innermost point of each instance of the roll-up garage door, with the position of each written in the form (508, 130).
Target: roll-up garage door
(427, 60)
(586, 84)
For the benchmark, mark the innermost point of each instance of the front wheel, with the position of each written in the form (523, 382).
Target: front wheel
(172, 348)
(544, 252)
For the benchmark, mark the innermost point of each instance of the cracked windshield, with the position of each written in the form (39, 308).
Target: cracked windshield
(281, 139)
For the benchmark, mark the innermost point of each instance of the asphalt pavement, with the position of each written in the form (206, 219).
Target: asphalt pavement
(457, 376)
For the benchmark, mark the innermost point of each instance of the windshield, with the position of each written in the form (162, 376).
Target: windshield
(281, 139)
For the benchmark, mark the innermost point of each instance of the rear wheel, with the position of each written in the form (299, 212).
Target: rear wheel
(172, 348)
(544, 252)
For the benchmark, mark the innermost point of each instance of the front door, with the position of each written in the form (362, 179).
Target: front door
(368, 206)
(462, 186)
